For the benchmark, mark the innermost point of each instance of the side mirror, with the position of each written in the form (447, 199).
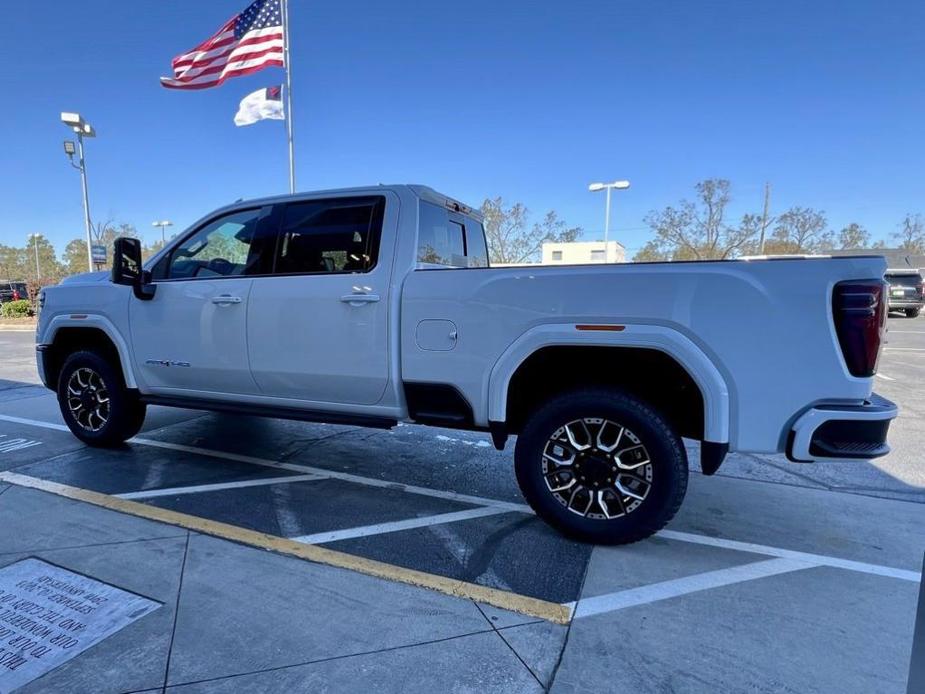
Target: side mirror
(127, 270)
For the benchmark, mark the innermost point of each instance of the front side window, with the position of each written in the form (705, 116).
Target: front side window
(336, 235)
(225, 247)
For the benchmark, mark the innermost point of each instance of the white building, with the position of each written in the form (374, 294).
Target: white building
(583, 252)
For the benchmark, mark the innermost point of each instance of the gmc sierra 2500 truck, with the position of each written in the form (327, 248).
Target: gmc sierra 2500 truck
(376, 305)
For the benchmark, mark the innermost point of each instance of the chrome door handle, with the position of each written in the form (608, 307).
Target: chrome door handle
(226, 299)
(357, 299)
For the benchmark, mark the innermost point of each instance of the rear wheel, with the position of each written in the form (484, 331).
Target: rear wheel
(601, 466)
(95, 404)
(912, 312)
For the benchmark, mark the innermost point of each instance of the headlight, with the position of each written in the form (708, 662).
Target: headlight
(41, 299)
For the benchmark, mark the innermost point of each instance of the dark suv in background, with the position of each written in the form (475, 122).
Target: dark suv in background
(13, 291)
(906, 291)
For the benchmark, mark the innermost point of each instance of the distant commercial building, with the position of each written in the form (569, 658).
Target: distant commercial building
(583, 252)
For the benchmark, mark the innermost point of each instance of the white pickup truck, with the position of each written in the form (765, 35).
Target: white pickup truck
(376, 305)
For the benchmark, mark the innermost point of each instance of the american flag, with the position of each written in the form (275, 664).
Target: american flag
(246, 43)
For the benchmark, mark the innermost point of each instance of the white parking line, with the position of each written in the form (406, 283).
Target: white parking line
(906, 332)
(198, 488)
(346, 477)
(903, 349)
(677, 587)
(395, 526)
(506, 505)
(885, 377)
(806, 557)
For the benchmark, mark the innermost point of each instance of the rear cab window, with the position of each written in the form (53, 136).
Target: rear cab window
(904, 279)
(448, 239)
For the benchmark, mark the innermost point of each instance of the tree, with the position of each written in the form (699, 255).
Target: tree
(911, 234)
(75, 257)
(48, 266)
(12, 263)
(800, 230)
(151, 249)
(510, 237)
(698, 230)
(853, 236)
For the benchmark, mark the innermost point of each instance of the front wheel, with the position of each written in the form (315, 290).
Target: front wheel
(601, 466)
(912, 312)
(95, 404)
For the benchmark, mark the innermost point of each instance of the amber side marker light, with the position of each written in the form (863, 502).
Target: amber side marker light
(610, 328)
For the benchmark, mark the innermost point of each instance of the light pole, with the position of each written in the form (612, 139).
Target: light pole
(83, 129)
(162, 224)
(594, 187)
(35, 246)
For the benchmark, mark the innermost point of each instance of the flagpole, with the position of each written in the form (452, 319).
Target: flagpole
(289, 136)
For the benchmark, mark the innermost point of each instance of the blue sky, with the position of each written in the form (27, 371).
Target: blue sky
(527, 100)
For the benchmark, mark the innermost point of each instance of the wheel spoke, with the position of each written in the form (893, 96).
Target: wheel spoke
(571, 436)
(618, 483)
(552, 451)
(575, 493)
(632, 457)
(600, 436)
(555, 483)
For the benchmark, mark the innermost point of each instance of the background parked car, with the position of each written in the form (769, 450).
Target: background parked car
(13, 291)
(906, 291)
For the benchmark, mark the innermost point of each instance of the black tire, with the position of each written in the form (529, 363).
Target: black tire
(124, 413)
(912, 312)
(667, 467)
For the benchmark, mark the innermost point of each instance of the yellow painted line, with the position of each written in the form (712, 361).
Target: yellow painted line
(534, 607)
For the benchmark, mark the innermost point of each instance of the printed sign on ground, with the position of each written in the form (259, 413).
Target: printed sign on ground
(48, 615)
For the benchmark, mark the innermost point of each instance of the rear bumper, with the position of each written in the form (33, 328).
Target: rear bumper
(905, 303)
(839, 432)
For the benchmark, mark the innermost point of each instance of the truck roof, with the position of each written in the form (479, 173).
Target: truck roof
(421, 191)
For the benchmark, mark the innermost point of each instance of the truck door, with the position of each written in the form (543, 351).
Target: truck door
(318, 325)
(191, 338)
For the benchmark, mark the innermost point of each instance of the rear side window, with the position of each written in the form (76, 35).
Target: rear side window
(448, 239)
(335, 235)
(476, 250)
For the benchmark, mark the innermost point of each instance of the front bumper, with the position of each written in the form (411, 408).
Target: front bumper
(40, 357)
(839, 432)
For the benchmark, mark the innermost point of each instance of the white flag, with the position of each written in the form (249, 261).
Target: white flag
(264, 103)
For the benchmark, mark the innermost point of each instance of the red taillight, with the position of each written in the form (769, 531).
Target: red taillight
(860, 317)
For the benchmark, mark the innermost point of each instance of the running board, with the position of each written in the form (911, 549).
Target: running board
(293, 413)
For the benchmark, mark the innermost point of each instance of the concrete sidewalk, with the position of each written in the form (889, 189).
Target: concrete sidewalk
(237, 618)
(687, 611)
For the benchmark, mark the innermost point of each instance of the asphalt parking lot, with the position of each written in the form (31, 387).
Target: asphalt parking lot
(774, 577)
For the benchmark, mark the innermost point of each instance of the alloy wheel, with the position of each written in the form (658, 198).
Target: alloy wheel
(88, 399)
(597, 468)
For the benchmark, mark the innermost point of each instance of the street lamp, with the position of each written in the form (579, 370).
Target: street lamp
(83, 129)
(162, 224)
(595, 187)
(35, 245)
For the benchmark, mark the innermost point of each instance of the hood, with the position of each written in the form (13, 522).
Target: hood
(87, 277)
